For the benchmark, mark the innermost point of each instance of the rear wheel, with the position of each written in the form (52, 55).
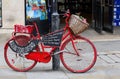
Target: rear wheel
(17, 61)
(79, 55)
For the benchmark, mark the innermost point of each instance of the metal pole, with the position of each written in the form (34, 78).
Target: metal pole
(55, 26)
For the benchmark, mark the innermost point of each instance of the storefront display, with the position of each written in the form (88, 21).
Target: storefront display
(36, 11)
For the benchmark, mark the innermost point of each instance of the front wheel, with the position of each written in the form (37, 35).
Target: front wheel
(79, 54)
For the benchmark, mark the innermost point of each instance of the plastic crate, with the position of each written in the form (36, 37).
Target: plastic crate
(116, 22)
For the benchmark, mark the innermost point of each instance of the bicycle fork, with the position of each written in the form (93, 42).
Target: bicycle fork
(73, 44)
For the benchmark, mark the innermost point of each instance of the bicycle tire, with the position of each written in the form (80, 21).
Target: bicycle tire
(86, 50)
(12, 58)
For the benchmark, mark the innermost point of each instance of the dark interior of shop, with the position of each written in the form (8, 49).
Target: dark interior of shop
(82, 7)
(99, 13)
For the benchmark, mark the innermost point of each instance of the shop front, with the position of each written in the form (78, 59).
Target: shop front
(102, 15)
(36, 10)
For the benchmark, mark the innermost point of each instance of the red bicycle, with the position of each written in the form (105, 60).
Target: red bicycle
(24, 49)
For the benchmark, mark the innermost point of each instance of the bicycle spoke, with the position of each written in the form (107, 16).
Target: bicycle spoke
(15, 61)
(68, 51)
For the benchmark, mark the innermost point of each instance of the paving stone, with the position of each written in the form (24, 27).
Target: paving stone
(115, 58)
(118, 55)
(106, 59)
(9, 74)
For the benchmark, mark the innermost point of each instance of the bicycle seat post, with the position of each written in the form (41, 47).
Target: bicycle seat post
(36, 28)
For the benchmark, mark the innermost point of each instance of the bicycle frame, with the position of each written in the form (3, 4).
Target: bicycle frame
(67, 34)
(41, 48)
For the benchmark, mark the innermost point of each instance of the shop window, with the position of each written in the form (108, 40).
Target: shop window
(36, 11)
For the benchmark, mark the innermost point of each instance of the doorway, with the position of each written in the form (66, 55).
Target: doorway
(103, 15)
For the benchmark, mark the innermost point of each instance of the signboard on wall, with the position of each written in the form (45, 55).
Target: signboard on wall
(36, 9)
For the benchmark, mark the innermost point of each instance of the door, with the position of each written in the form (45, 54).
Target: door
(99, 15)
(108, 16)
(104, 16)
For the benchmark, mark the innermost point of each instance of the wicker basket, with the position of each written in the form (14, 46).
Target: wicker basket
(77, 25)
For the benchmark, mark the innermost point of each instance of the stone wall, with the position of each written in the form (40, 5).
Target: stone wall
(13, 12)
